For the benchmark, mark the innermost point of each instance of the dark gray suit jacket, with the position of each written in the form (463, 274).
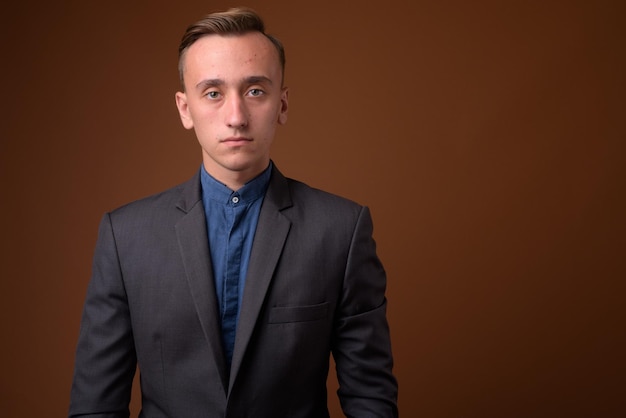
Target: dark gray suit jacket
(314, 285)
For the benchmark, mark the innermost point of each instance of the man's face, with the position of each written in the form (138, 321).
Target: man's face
(233, 100)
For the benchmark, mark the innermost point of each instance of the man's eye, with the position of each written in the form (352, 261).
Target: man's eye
(255, 92)
(213, 95)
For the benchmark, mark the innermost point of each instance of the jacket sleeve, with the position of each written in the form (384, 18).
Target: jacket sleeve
(105, 356)
(361, 344)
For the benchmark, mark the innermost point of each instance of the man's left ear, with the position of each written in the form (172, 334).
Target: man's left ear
(284, 106)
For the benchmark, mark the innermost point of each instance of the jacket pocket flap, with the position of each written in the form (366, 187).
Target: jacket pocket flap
(281, 314)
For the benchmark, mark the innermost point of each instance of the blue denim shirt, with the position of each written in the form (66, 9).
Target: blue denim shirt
(232, 218)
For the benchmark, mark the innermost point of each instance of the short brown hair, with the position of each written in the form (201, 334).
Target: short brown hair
(235, 21)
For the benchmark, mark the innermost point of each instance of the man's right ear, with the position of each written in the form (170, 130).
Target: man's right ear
(183, 110)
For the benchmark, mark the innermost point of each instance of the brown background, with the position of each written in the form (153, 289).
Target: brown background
(487, 137)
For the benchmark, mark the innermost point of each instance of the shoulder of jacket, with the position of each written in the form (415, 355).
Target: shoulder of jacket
(303, 193)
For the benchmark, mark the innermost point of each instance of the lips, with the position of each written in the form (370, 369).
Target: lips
(236, 140)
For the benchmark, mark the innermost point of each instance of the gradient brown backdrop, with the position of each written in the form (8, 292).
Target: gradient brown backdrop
(487, 137)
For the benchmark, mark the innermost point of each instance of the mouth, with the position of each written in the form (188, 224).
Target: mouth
(236, 141)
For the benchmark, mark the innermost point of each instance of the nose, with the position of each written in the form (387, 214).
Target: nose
(236, 113)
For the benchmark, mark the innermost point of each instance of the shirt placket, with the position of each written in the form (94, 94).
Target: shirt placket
(230, 296)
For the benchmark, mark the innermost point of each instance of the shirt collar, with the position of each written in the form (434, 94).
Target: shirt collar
(218, 191)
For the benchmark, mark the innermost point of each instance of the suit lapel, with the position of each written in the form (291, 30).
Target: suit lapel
(269, 239)
(194, 248)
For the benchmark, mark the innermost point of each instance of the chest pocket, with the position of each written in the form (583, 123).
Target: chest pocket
(282, 314)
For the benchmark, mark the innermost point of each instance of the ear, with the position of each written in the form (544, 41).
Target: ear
(183, 110)
(284, 106)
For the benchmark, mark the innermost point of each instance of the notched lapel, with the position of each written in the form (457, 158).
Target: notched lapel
(194, 249)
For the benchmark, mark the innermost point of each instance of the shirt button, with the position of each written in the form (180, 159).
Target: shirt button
(235, 199)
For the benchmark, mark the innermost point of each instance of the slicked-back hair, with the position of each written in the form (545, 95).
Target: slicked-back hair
(235, 21)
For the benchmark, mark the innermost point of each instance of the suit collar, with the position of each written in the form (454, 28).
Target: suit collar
(277, 195)
(191, 194)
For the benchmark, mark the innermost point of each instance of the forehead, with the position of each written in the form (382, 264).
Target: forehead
(227, 56)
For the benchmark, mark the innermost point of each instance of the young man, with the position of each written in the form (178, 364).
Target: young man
(229, 292)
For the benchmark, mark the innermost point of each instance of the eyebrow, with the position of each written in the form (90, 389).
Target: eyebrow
(213, 82)
(217, 82)
(258, 79)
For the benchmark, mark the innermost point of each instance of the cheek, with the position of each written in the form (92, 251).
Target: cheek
(271, 116)
(206, 132)
(204, 119)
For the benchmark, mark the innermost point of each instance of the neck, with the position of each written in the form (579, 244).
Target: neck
(233, 179)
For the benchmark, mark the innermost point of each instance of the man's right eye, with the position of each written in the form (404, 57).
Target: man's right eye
(213, 95)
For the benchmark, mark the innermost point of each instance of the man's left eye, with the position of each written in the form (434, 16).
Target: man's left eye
(255, 92)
